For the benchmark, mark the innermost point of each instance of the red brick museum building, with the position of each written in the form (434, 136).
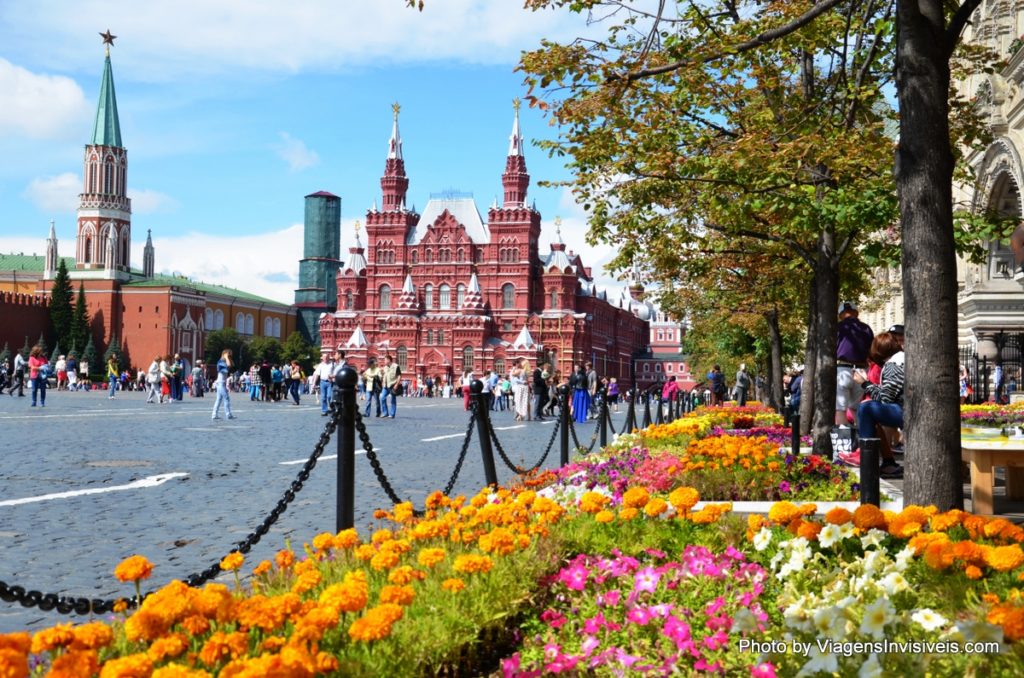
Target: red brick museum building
(445, 290)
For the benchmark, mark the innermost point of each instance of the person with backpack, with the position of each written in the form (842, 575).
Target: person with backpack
(38, 374)
(391, 379)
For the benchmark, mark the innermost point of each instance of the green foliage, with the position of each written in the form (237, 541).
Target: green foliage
(90, 360)
(295, 347)
(54, 355)
(41, 343)
(26, 349)
(219, 340)
(115, 349)
(61, 310)
(259, 349)
(80, 332)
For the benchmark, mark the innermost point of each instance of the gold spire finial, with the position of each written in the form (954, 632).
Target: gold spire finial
(558, 227)
(515, 104)
(357, 226)
(396, 108)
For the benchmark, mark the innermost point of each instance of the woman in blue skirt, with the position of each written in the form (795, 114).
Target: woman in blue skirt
(580, 395)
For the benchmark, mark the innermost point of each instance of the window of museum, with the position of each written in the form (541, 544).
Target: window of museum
(277, 327)
(414, 257)
(445, 293)
(668, 367)
(647, 367)
(467, 358)
(460, 296)
(499, 365)
(506, 326)
(428, 296)
(460, 255)
(554, 298)
(250, 324)
(428, 256)
(430, 337)
(239, 321)
(218, 319)
(402, 358)
(207, 317)
(268, 327)
(385, 296)
(382, 326)
(440, 336)
(508, 296)
(348, 300)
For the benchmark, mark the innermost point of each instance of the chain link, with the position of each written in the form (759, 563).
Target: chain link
(364, 438)
(515, 468)
(82, 606)
(593, 438)
(462, 455)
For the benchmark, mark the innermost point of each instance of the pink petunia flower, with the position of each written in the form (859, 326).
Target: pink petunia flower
(639, 615)
(575, 576)
(646, 580)
(763, 670)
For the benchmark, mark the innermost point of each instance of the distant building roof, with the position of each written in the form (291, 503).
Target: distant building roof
(321, 194)
(465, 212)
(168, 280)
(30, 262)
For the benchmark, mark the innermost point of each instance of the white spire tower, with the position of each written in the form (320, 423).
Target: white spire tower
(50, 266)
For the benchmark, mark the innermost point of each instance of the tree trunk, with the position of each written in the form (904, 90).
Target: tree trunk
(775, 400)
(924, 174)
(826, 287)
(810, 360)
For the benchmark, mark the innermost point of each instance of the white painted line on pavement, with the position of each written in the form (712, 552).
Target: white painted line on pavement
(149, 481)
(326, 457)
(509, 428)
(430, 440)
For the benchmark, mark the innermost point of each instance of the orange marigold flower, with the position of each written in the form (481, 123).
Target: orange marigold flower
(20, 642)
(990, 598)
(272, 644)
(168, 646)
(402, 575)
(592, 502)
(918, 514)
(604, 516)
(284, 559)
(350, 595)
(453, 585)
(196, 625)
(965, 551)
(469, 563)
(809, 530)
(655, 507)
(435, 499)
(1004, 558)
(430, 557)
(71, 664)
(838, 516)
(323, 541)
(783, 512)
(941, 522)
(868, 516)
(346, 539)
(326, 664)
(974, 525)
(635, 497)
(179, 671)
(403, 512)
(381, 536)
(365, 551)
(683, 498)
(92, 636)
(232, 561)
(131, 666)
(133, 568)
(262, 568)
(754, 522)
(53, 638)
(1013, 625)
(384, 560)
(904, 528)
(973, 572)
(400, 595)
(922, 540)
(499, 540)
(307, 581)
(376, 623)
(628, 513)
(223, 646)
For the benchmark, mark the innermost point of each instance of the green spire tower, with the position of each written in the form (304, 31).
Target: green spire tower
(318, 288)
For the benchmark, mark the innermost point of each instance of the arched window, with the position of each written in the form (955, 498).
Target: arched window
(240, 323)
(668, 367)
(277, 327)
(250, 324)
(385, 296)
(467, 358)
(124, 250)
(402, 358)
(268, 327)
(208, 318)
(428, 256)
(445, 294)
(440, 336)
(430, 337)
(508, 295)
(108, 177)
(348, 300)
(554, 299)
(479, 256)
(428, 296)
(218, 319)
(460, 254)
(88, 250)
(414, 257)
(460, 296)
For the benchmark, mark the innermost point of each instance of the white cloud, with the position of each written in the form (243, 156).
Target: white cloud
(295, 152)
(148, 201)
(55, 194)
(38, 105)
(574, 230)
(173, 39)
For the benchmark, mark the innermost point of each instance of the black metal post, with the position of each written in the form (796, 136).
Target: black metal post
(630, 412)
(870, 471)
(794, 438)
(345, 401)
(659, 417)
(602, 418)
(483, 429)
(563, 412)
(670, 414)
(647, 409)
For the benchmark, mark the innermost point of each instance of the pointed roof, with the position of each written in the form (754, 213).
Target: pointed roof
(53, 231)
(474, 300)
(407, 301)
(515, 140)
(357, 340)
(524, 340)
(149, 237)
(106, 131)
(395, 142)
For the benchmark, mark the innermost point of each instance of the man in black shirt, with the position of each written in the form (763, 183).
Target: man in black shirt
(540, 390)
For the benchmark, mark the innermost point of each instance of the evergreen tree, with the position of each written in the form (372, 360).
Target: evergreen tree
(42, 342)
(61, 311)
(89, 359)
(5, 354)
(80, 334)
(114, 347)
(53, 356)
(26, 349)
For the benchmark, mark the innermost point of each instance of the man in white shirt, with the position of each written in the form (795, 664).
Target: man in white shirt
(324, 375)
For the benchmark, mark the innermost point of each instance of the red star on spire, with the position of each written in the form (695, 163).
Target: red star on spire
(108, 39)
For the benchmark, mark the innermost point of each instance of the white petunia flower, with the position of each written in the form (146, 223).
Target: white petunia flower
(819, 662)
(871, 668)
(829, 535)
(846, 530)
(904, 557)
(762, 539)
(893, 583)
(744, 621)
(873, 537)
(929, 619)
(876, 616)
(976, 632)
(873, 560)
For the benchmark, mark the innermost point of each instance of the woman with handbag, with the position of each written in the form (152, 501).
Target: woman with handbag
(38, 372)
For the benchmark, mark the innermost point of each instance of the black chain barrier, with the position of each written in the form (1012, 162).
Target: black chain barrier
(593, 438)
(82, 606)
(515, 468)
(382, 478)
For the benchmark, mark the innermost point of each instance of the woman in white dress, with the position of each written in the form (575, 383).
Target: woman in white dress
(521, 390)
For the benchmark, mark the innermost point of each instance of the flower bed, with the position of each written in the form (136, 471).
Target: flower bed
(991, 415)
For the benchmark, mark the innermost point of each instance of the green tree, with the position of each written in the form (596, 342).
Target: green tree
(295, 347)
(81, 334)
(259, 349)
(61, 309)
(90, 362)
(26, 349)
(53, 356)
(219, 340)
(41, 343)
(114, 349)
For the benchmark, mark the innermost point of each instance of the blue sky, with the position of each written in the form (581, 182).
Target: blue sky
(233, 110)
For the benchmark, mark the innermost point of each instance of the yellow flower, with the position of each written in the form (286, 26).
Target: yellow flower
(655, 507)
(134, 568)
(262, 568)
(400, 595)
(683, 498)
(469, 564)
(232, 561)
(384, 560)
(430, 557)
(323, 541)
(53, 638)
(1004, 558)
(168, 647)
(284, 559)
(92, 636)
(131, 666)
(635, 497)
(346, 539)
(783, 512)
(604, 517)
(453, 585)
(628, 513)
(71, 664)
(376, 623)
(592, 502)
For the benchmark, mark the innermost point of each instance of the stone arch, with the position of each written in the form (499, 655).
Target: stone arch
(1001, 162)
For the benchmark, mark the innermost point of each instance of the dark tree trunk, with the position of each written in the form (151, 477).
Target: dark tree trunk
(826, 287)
(924, 174)
(774, 361)
(810, 360)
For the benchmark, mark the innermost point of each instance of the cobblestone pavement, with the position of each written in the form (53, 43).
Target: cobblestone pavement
(67, 519)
